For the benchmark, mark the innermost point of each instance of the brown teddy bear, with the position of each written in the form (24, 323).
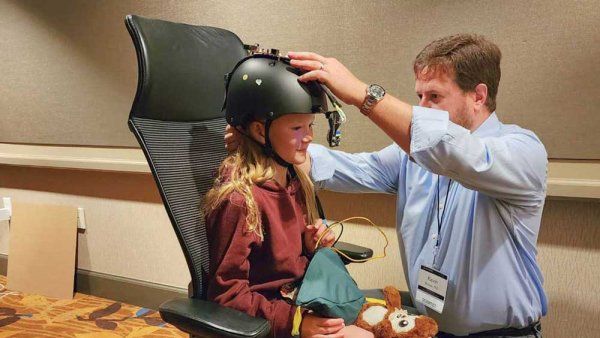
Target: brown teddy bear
(391, 321)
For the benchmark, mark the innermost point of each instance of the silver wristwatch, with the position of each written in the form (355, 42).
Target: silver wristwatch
(375, 93)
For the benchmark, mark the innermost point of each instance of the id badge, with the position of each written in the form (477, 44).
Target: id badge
(431, 289)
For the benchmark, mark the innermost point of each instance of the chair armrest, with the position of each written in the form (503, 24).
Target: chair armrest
(353, 251)
(209, 319)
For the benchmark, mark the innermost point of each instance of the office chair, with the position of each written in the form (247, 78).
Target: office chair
(176, 118)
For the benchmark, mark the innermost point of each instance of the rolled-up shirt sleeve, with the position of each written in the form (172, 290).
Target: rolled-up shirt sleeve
(356, 173)
(511, 167)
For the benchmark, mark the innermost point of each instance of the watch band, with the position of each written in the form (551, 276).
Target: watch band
(370, 99)
(367, 105)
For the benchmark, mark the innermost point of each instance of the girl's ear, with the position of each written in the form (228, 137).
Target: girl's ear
(257, 131)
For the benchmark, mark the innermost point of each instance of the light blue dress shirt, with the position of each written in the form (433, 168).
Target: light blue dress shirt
(487, 244)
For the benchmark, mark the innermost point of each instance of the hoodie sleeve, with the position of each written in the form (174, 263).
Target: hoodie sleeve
(230, 246)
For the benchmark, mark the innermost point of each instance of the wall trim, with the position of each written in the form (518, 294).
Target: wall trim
(566, 178)
(91, 158)
(121, 289)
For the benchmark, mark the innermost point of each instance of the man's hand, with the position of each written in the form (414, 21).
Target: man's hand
(312, 234)
(318, 327)
(331, 73)
(232, 139)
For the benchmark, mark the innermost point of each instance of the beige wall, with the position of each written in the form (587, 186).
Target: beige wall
(129, 235)
(569, 254)
(70, 66)
(128, 231)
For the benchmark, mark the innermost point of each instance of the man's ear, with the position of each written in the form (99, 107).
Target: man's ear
(481, 95)
(257, 131)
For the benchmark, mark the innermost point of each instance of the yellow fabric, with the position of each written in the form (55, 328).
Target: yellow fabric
(297, 321)
(375, 300)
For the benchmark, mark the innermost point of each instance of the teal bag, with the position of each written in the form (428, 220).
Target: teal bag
(328, 289)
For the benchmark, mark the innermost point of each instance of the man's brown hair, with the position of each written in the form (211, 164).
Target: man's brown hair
(470, 58)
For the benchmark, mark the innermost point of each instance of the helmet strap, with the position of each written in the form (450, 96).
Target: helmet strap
(268, 148)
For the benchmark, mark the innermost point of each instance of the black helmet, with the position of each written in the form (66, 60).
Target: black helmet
(266, 87)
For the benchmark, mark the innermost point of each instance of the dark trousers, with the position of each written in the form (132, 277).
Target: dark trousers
(533, 331)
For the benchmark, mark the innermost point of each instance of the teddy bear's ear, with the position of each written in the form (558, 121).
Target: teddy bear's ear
(392, 296)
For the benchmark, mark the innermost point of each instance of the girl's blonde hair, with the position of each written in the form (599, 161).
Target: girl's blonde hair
(246, 167)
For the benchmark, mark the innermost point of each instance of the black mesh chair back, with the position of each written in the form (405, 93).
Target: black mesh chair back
(176, 117)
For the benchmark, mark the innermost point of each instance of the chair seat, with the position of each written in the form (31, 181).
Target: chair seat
(209, 319)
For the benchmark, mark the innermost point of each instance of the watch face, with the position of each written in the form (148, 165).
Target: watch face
(376, 91)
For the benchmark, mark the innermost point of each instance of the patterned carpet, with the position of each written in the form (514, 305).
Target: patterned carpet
(25, 315)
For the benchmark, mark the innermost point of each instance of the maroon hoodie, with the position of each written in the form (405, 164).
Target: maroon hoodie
(247, 272)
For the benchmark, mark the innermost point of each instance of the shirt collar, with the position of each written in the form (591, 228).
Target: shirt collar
(489, 127)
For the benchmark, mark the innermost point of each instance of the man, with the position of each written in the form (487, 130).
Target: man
(470, 190)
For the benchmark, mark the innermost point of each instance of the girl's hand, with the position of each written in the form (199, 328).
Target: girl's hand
(312, 234)
(319, 327)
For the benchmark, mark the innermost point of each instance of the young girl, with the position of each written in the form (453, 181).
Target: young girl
(261, 216)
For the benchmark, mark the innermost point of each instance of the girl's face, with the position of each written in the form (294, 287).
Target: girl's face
(290, 136)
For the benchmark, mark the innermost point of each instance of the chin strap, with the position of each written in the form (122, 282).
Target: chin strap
(268, 148)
